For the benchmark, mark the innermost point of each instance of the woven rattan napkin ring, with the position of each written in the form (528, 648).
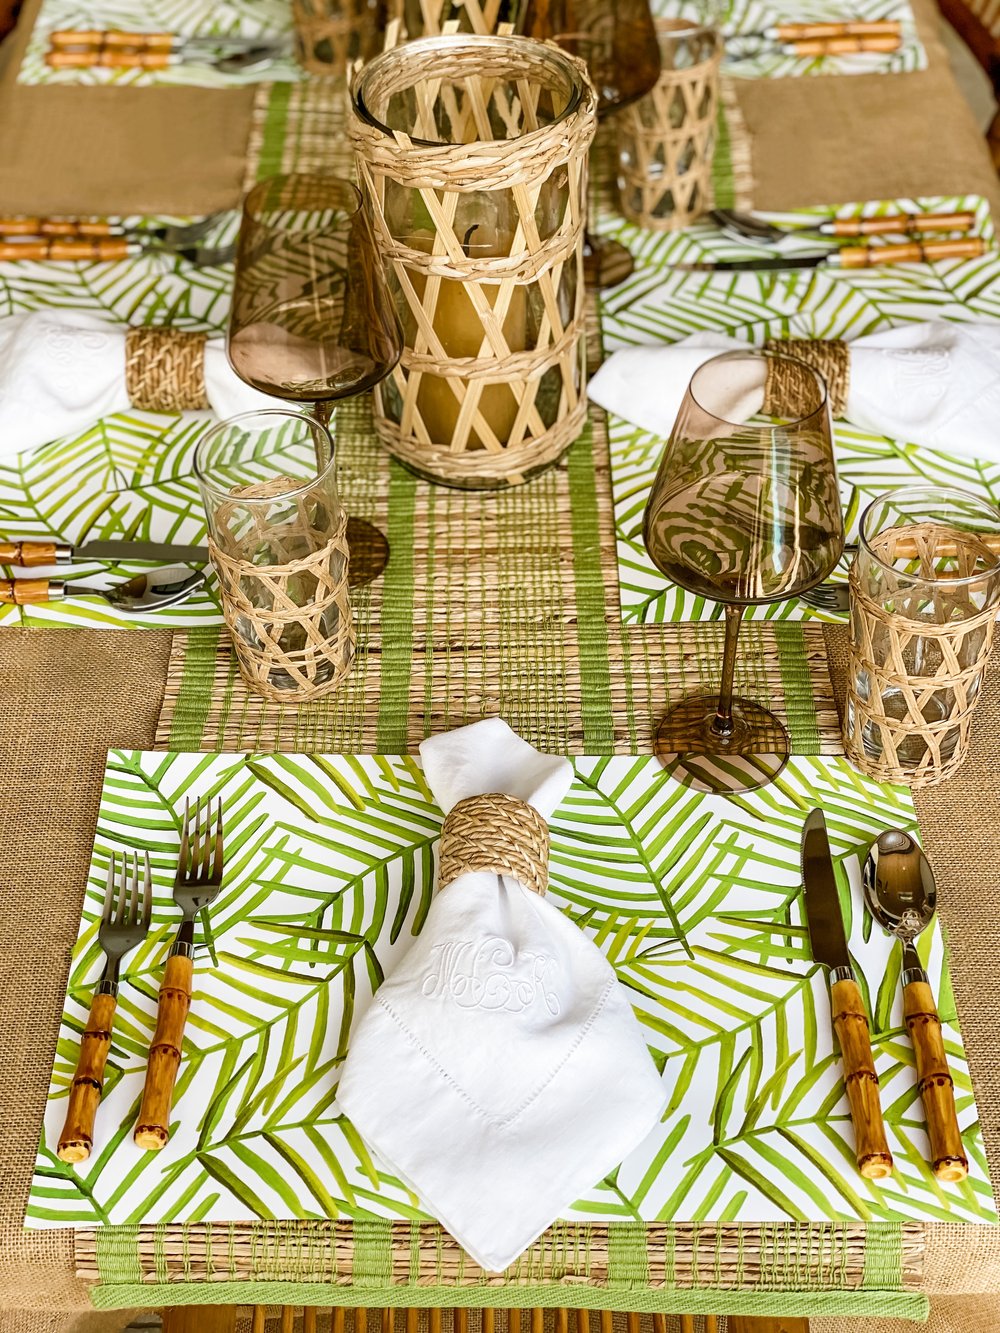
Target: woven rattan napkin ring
(498, 833)
(165, 370)
(783, 392)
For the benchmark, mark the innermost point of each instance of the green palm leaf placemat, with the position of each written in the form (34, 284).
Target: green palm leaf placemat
(695, 900)
(266, 19)
(751, 16)
(660, 304)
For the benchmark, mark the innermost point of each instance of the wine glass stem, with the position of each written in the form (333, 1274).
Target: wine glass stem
(322, 411)
(722, 724)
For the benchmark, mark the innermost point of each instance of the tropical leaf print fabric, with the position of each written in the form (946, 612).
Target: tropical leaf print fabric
(695, 900)
(750, 59)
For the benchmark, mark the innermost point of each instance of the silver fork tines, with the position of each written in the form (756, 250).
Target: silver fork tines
(199, 866)
(123, 925)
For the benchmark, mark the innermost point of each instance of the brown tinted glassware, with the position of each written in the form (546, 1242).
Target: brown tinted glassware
(744, 511)
(312, 320)
(618, 44)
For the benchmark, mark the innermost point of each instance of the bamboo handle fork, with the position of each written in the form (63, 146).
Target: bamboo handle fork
(198, 880)
(124, 925)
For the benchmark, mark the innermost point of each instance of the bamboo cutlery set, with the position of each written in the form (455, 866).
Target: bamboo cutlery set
(111, 48)
(900, 894)
(97, 240)
(124, 925)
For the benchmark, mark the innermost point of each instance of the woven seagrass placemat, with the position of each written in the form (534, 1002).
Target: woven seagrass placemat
(565, 690)
(624, 1266)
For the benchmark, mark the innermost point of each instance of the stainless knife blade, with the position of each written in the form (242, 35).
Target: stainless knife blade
(850, 1020)
(762, 264)
(125, 550)
(823, 915)
(30, 553)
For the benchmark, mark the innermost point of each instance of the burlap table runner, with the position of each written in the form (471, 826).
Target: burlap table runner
(65, 697)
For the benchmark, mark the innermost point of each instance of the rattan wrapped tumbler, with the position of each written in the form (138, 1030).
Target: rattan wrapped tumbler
(277, 540)
(429, 18)
(473, 153)
(666, 140)
(330, 35)
(925, 590)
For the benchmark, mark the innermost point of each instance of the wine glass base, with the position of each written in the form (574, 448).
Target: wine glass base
(606, 263)
(369, 548)
(750, 757)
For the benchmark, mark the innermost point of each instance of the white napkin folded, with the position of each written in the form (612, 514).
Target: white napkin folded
(935, 384)
(500, 1071)
(61, 370)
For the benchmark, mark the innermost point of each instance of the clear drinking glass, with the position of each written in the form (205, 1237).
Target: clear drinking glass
(744, 511)
(277, 541)
(925, 588)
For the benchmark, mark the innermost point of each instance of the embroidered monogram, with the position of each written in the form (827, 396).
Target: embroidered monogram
(487, 974)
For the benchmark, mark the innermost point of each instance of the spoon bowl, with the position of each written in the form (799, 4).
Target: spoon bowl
(899, 885)
(746, 227)
(154, 589)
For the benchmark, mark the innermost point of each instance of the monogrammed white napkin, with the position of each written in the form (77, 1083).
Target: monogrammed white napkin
(934, 384)
(62, 370)
(500, 1071)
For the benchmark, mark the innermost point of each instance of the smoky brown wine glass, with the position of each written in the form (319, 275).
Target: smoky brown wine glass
(312, 319)
(744, 511)
(618, 44)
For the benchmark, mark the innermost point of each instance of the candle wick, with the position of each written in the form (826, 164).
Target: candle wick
(465, 239)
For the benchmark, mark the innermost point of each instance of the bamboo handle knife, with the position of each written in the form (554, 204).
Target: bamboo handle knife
(850, 1022)
(893, 223)
(65, 227)
(797, 32)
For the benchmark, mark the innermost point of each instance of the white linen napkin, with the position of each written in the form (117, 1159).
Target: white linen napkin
(62, 370)
(500, 1070)
(935, 384)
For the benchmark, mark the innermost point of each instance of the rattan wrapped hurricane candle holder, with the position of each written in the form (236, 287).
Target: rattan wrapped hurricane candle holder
(666, 140)
(925, 589)
(473, 153)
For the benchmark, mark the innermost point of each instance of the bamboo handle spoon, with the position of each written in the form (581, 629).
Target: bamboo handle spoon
(901, 895)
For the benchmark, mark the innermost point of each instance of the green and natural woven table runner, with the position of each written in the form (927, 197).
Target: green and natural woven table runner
(777, 1269)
